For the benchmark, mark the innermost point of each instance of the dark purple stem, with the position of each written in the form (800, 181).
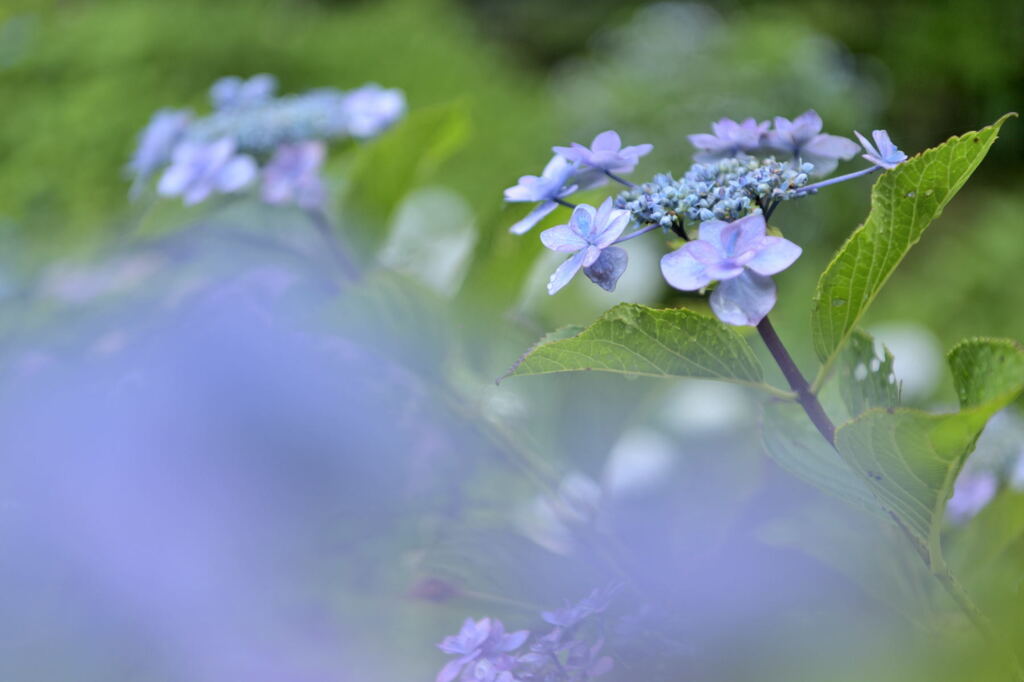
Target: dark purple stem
(797, 382)
(616, 178)
(563, 202)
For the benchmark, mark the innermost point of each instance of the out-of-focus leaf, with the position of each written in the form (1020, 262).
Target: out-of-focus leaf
(792, 441)
(385, 170)
(866, 379)
(911, 459)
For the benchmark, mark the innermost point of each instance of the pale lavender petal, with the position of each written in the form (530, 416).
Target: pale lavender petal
(539, 212)
(750, 231)
(608, 141)
(174, 180)
(637, 150)
(196, 193)
(590, 255)
(806, 126)
(513, 640)
(743, 300)
(582, 220)
(711, 231)
(703, 252)
(703, 141)
(236, 174)
(684, 272)
(775, 255)
(868, 147)
(451, 670)
(724, 270)
(607, 269)
(562, 238)
(832, 146)
(566, 271)
(617, 221)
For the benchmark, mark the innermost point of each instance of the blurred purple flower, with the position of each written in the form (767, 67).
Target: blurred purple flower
(483, 639)
(232, 92)
(595, 602)
(741, 257)
(292, 176)
(371, 109)
(885, 154)
(589, 237)
(802, 137)
(971, 493)
(156, 141)
(606, 153)
(729, 139)
(200, 169)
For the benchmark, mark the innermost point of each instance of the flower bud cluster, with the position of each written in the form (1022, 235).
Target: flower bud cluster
(727, 189)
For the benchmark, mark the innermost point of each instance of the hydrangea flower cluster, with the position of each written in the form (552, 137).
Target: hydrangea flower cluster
(254, 135)
(569, 652)
(741, 170)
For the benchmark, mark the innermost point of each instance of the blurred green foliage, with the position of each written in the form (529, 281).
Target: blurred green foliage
(86, 76)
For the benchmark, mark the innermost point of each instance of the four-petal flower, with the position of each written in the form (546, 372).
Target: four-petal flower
(606, 153)
(802, 137)
(883, 153)
(589, 237)
(742, 258)
(548, 188)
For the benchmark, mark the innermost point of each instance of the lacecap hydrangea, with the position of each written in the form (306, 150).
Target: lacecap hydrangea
(719, 206)
(254, 136)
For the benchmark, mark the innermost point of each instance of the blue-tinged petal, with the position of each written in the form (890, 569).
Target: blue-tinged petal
(743, 300)
(566, 271)
(236, 173)
(806, 126)
(590, 255)
(711, 232)
(775, 255)
(750, 231)
(608, 141)
(608, 267)
(451, 670)
(562, 238)
(703, 252)
(684, 272)
(831, 146)
(533, 217)
(582, 220)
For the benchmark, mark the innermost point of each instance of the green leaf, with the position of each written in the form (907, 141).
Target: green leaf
(988, 536)
(385, 170)
(904, 202)
(911, 459)
(792, 441)
(866, 379)
(634, 339)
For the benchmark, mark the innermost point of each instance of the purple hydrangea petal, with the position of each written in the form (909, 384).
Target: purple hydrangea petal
(805, 126)
(684, 272)
(608, 267)
(832, 146)
(749, 234)
(610, 224)
(236, 174)
(371, 109)
(565, 272)
(775, 255)
(583, 221)
(608, 141)
(539, 212)
(451, 670)
(562, 238)
(743, 300)
(711, 231)
(971, 493)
